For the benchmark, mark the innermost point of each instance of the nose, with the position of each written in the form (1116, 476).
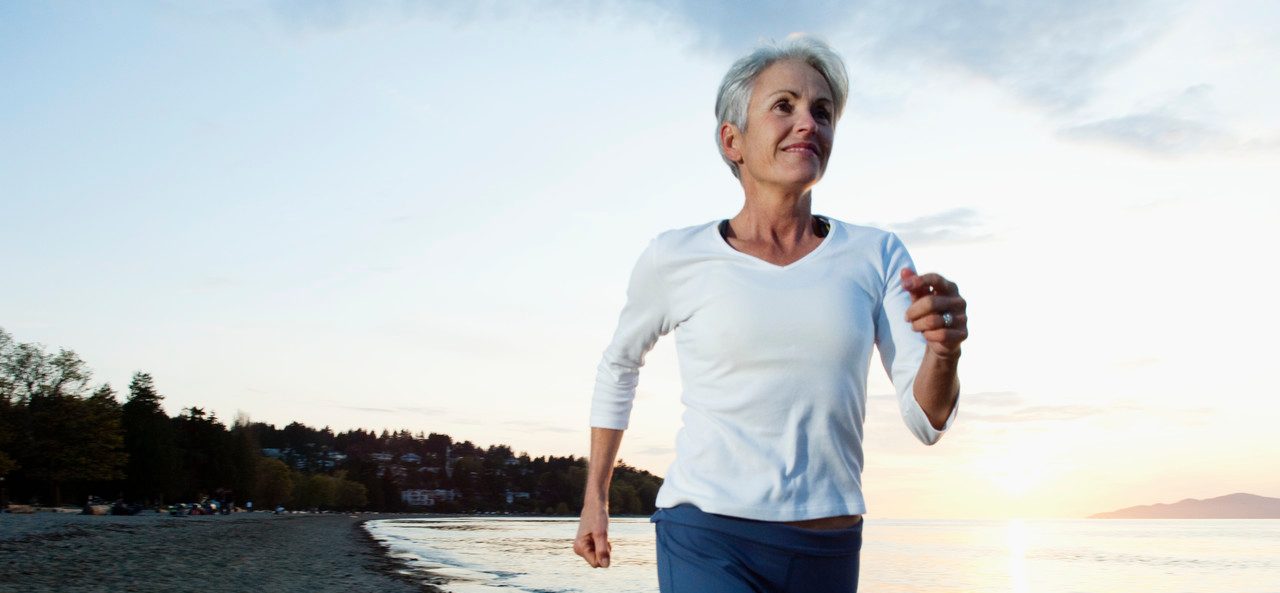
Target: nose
(805, 122)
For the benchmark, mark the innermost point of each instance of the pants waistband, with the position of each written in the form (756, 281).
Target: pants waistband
(827, 542)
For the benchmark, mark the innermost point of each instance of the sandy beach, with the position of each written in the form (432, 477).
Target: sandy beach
(291, 553)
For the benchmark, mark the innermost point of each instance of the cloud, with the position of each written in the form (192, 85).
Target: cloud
(1201, 416)
(717, 25)
(210, 284)
(1051, 52)
(319, 16)
(1037, 413)
(535, 426)
(1008, 407)
(736, 26)
(1262, 144)
(1155, 204)
(655, 450)
(1166, 135)
(1012, 407)
(340, 15)
(959, 225)
(994, 398)
(1170, 125)
(398, 410)
(452, 335)
(1152, 132)
(988, 398)
(1136, 363)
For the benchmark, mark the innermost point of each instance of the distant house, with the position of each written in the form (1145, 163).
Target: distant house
(446, 495)
(417, 498)
(381, 457)
(514, 496)
(411, 458)
(273, 453)
(427, 498)
(396, 470)
(512, 461)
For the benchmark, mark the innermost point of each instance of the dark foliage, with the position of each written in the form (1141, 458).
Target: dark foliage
(57, 437)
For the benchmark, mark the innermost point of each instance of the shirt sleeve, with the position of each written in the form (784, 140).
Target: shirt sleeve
(643, 320)
(901, 347)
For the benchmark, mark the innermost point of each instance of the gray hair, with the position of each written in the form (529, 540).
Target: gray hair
(735, 89)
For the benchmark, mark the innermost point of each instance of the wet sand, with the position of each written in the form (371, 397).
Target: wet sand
(291, 553)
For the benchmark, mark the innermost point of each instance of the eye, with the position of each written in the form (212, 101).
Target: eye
(822, 114)
(783, 105)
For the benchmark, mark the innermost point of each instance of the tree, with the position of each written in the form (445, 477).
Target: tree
(275, 483)
(391, 500)
(25, 373)
(29, 372)
(7, 412)
(350, 495)
(314, 491)
(149, 441)
(244, 453)
(205, 451)
(7, 464)
(466, 478)
(50, 426)
(7, 385)
(438, 444)
(76, 439)
(623, 499)
(496, 456)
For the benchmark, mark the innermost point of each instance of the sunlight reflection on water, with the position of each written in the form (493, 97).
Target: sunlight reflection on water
(487, 554)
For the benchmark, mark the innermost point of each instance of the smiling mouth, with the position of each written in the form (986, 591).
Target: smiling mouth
(802, 148)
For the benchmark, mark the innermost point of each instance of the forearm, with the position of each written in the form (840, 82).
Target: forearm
(604, 450)
(937, 386)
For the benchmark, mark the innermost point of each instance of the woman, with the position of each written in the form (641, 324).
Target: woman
(776, 312)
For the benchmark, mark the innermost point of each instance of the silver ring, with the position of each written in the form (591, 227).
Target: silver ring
(947, 319)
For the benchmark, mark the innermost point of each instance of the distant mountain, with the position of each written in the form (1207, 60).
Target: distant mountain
(1231, 506)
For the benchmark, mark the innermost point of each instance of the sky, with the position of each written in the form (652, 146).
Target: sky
(423, 215)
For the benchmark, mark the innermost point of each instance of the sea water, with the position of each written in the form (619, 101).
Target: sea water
(509, 554)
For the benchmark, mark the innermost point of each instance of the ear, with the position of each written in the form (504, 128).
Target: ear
(730, 137)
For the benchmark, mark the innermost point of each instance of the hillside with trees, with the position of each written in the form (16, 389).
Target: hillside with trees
(63, 439)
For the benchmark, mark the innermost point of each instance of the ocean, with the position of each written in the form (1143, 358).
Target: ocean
(534, 554)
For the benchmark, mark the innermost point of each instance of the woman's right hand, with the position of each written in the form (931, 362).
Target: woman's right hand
(592, 542)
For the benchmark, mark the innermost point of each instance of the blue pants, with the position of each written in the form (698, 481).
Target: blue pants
(701, 552)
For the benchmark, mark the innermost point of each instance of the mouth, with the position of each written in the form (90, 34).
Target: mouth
(801, 147)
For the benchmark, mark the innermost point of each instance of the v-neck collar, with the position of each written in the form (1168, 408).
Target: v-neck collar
(833, 229)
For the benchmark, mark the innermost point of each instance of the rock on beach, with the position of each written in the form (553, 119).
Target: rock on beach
(243, 552)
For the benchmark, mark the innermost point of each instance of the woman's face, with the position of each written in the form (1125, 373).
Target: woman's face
(790, 127)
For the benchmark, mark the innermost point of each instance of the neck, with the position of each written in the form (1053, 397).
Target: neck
(780, 217)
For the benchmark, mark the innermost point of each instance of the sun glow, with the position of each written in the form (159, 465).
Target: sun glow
(1016, 539)
(1016, 472)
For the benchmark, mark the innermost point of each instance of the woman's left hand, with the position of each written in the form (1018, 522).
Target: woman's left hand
(938, 311)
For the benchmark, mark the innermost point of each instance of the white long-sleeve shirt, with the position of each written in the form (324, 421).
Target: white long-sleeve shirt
(773, 361)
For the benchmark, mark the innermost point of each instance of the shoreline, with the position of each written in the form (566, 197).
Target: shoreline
(394, 567)
(437, 575)
(45, 552)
